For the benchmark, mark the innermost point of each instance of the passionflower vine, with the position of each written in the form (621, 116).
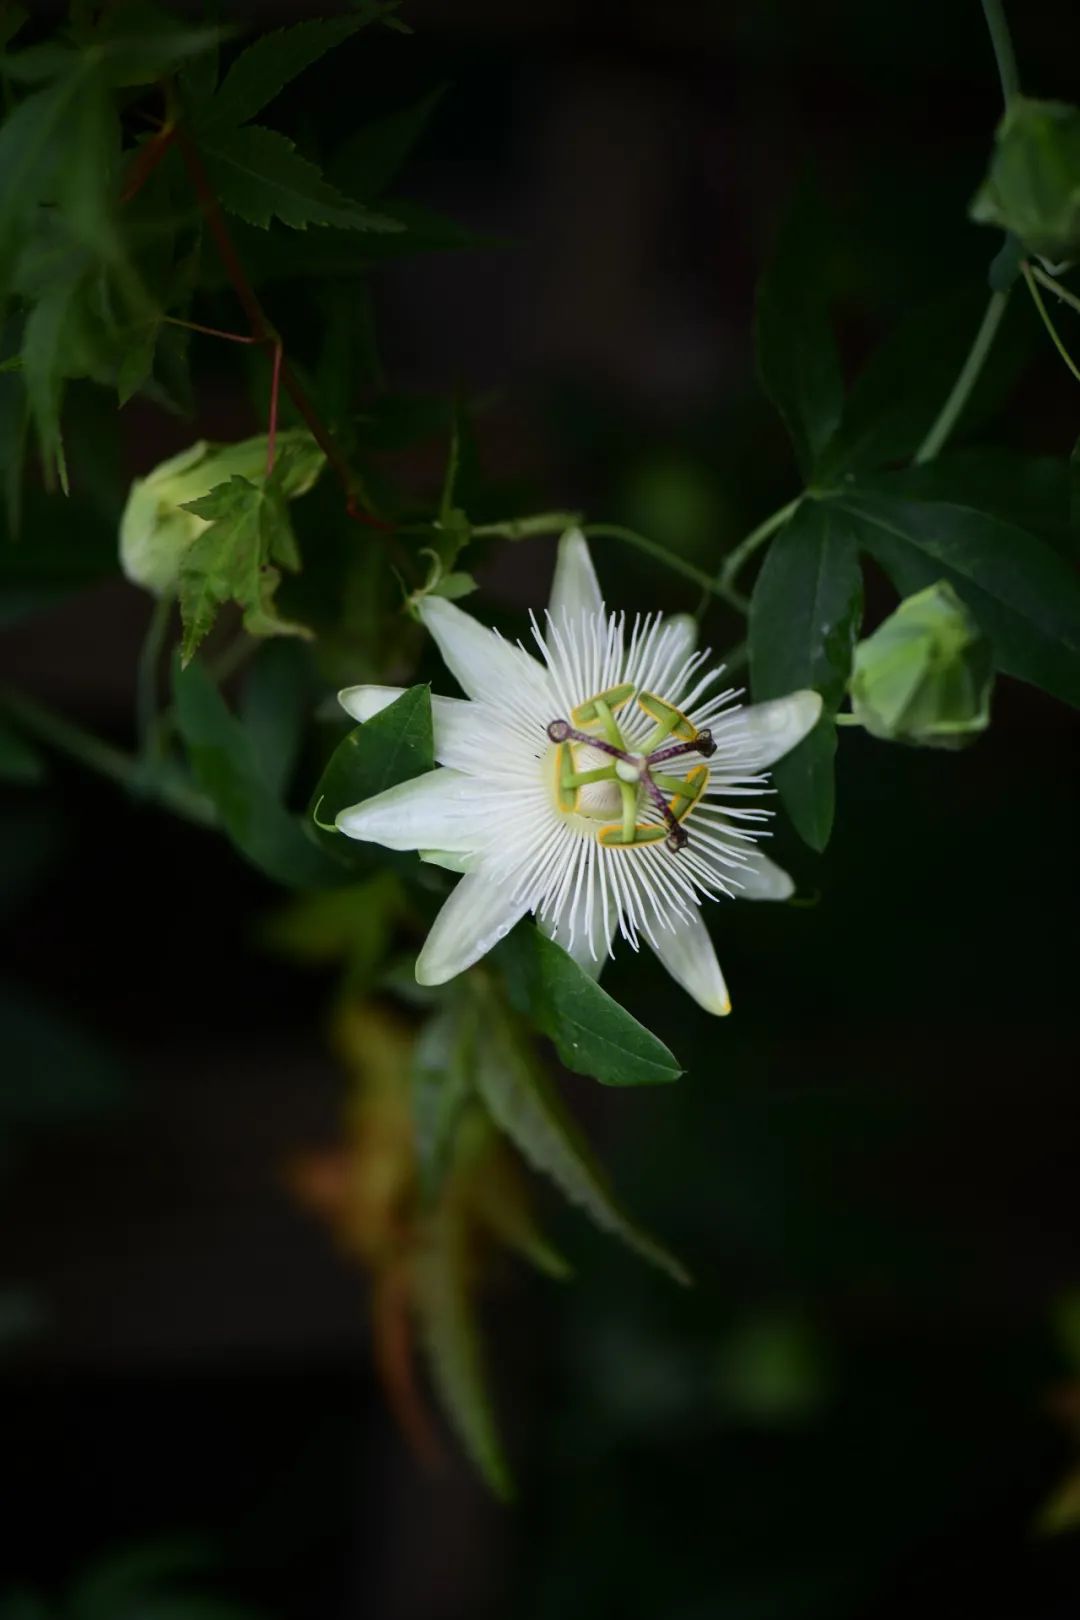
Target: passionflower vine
(603, 787)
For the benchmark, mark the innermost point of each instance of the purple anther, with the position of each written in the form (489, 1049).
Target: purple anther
(561, 731)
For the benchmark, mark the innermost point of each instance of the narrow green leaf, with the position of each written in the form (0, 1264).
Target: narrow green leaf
(452, 1342)
(524, 1104)
(226, 768)
(592, 1034)
(270, 63)
(371, 159)
(274, 705)
(259, 175)
(1022, 594)
(804, 620)
(796, 351)
(138, 42)
(393, 746)
(441, 1084)
(45, 357)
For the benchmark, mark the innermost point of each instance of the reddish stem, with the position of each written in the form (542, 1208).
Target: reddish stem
(262, 331)
(210, 331)
(275, 391)
(146, 161)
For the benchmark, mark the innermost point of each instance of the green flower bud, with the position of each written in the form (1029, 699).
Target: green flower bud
(925, 675)
(155, 531)
(1033, 184)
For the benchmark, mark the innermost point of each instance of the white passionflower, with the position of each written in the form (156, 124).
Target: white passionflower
(603, 789)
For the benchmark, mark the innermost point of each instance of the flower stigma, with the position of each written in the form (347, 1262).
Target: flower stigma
(631, 774)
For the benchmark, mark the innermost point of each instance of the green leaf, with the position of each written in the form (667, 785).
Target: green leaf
(138, 42)
(45, 357)
(1030, 492)
(804, 618)
(796, 352)
(19, 762)
(13, 18)
(350, 925)
(274, 706)
(259, 175)
(270, 63)
(592, 1034)
(897, 397)
(1022, 594)
(234, 559)
(524, 1104)
(394, 746)
(440, 1087)
(371, 159)
(442, 1298)
(226, 768)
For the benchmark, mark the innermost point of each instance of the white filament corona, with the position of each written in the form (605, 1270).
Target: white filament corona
(635, 847)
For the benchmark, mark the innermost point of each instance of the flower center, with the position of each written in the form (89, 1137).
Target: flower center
(598, 776)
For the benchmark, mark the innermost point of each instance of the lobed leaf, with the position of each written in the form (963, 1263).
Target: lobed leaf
(259, 175)
(236, 558)
(371, 159)
(270, 63)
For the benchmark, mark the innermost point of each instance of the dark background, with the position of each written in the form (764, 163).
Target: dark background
(870, 1167)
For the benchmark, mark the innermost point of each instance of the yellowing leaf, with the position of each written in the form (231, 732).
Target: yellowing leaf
(441, 1294)
(524, 1104)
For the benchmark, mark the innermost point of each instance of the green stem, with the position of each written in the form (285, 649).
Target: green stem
(113, 763)
(965, 382)
(522, 528)
(740, 554)
(677, 565)
(1004, 55)
(1055, 287)
(146, 680)
(1044, 314)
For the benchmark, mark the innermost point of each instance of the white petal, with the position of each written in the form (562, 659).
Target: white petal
(457, 727)
(682, 645)
(477, 915)
(451, 860)
(434, 811)
(687, 952)
(761, 879)
(590, 949)
(483, 663)
(771, 730)
(575, 590)
(361, 702)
